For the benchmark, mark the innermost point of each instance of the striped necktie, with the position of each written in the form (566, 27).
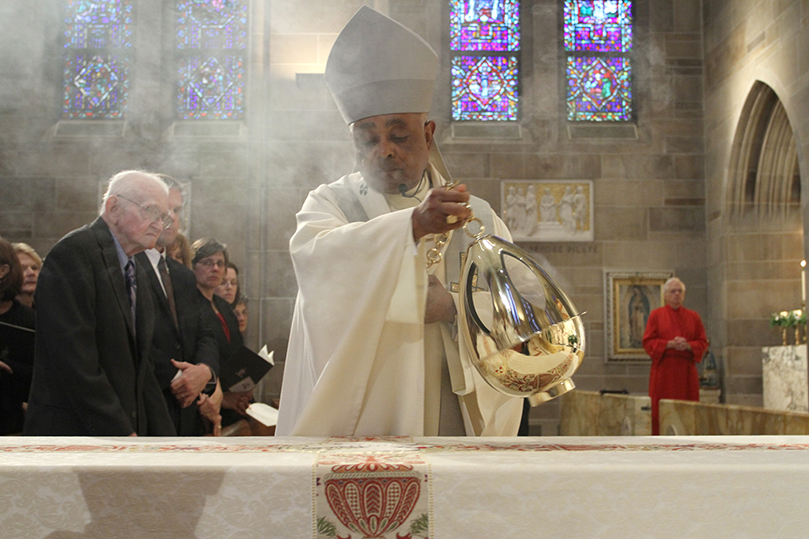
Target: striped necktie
(166, 278)
(131, 287)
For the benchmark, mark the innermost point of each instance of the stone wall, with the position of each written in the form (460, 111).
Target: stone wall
(753, 267)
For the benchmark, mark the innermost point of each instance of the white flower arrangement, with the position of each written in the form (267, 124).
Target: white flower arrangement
(788, 319)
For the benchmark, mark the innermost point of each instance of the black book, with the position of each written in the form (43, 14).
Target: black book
(243, 370)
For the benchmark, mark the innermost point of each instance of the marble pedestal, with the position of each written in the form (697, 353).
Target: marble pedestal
(589, 413)
(785, 380)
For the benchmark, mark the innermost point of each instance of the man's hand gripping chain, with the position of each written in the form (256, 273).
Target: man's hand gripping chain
(439, 240)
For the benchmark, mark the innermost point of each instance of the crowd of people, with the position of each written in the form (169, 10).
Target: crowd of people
(183, 300)
(126, 327)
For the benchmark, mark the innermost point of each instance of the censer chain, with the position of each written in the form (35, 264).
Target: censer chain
(434, 255)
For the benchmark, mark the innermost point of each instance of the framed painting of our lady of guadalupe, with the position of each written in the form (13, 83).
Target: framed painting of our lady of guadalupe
(630, 297)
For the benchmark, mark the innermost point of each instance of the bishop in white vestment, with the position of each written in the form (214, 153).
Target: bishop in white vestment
(373, 348)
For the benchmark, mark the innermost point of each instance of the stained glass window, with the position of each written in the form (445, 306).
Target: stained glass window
(485, 40)
(598, 41)
(599, 89)
(211, 46)
(598, 25)
(484, 88)
(97, 39)
(485, 25)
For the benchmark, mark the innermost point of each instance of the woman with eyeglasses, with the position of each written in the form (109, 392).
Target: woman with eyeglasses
(209, 264)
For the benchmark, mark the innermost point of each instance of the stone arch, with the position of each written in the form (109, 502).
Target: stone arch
(764, 180)
(762, 238)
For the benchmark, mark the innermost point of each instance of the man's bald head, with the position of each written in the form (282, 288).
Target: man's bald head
(135, 207)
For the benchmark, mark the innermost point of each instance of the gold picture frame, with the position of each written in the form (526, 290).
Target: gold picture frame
(630, 297)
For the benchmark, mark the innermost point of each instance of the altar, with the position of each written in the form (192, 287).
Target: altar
(404, 487)
(784, 378)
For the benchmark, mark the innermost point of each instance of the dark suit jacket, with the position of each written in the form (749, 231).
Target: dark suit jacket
(194, 342)
(16, 351)
(227, 348)
(92, 371)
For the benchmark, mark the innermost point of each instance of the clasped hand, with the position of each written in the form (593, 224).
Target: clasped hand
(679, 343)
(430, 217)
(187, 387)
(209, 408)
(237, 400)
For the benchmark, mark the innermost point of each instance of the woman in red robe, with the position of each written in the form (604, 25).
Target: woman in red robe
(675, 340)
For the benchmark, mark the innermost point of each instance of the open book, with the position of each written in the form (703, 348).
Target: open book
(245, 368)
(263, 413)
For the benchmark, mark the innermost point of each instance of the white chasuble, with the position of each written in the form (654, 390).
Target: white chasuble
(355, 364)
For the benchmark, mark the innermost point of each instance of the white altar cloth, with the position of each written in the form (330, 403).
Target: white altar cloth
(712, 487)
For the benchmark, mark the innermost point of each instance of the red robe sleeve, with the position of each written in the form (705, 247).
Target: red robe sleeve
(653, 343)
(698, 341)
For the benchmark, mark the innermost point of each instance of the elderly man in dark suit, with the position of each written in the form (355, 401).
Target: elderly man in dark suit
(92, 372)
(184, 347)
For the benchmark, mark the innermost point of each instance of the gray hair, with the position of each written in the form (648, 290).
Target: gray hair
(668, 283)
(124, 184)
(205, 247)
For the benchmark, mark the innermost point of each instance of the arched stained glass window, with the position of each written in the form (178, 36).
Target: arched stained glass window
(485, 45)
(598, 42)
(211, 46)
(97, 41)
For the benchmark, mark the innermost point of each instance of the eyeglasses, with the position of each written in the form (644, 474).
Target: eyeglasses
(208, 263)
(152, 213)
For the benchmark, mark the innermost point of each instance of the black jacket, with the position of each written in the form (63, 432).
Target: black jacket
(16, 351)
(92, 372)
(195, 342)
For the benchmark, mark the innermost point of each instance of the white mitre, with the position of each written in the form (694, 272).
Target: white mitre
(377, 66)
